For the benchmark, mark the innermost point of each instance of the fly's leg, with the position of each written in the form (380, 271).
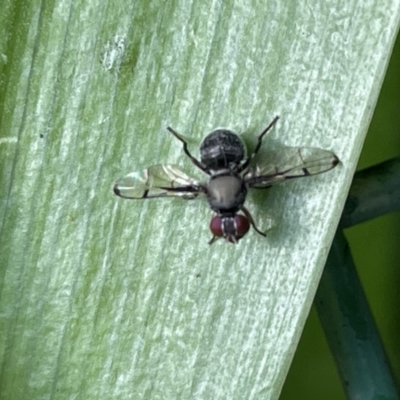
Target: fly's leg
(213, 239)
(194, 160)
(259, 142)
(246, 212)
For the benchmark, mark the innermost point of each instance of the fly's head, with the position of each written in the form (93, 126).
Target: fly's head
(232, 228)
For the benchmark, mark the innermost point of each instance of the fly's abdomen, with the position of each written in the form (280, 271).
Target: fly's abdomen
(221, 149)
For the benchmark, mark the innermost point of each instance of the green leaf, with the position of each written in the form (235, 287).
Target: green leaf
(110, 299)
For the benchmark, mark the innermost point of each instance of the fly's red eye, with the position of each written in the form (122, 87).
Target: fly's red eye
(229, 227)
(216, 226)
(242, 225)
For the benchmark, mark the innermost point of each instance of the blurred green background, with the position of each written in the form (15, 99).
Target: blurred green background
(375, 246)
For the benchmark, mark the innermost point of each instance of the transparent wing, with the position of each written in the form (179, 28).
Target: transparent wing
(157, 181)
(291, 162)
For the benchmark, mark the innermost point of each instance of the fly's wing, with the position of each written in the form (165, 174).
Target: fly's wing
(291, 162)
(157, 181)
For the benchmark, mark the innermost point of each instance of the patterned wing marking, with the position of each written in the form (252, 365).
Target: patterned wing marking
(292, 162)
(157, 181)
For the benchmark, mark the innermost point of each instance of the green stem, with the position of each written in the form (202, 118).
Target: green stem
(350, 328)
(375, 191)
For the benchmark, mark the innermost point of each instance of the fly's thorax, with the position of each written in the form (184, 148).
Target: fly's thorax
(226, 193)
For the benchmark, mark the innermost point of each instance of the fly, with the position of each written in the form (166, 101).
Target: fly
(222, 157)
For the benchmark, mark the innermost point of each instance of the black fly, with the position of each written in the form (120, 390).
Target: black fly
(222, 157)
